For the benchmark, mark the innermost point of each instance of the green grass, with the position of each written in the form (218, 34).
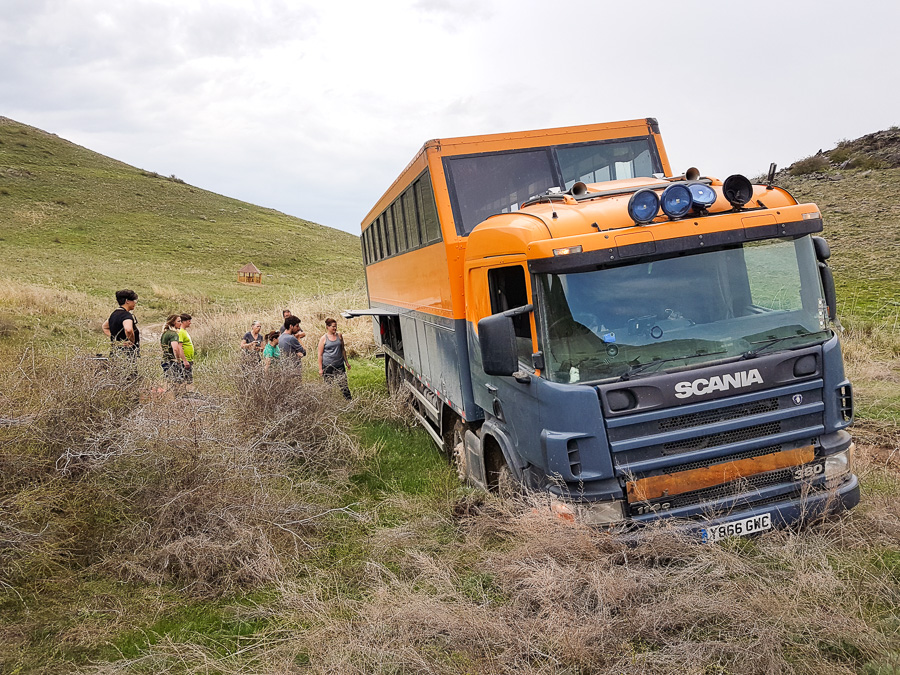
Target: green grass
(407, 461)
(218, 626)
(367, 375)
(861, 229)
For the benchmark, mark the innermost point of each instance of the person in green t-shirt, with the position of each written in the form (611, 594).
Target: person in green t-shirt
(174, 361)
(272, 351)
(188, 345)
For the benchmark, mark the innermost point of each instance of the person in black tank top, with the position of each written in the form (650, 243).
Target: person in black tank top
(123, 332)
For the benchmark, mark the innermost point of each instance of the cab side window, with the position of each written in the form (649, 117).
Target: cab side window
(508, 291)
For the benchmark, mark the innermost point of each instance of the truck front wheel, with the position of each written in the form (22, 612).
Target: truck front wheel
(500, 478)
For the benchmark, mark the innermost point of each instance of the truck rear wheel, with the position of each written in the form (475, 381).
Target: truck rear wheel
(455, 448)
(392, 375)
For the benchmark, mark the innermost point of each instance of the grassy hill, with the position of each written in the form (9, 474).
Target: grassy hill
(272, 527)
(857, 187)
(76, 226)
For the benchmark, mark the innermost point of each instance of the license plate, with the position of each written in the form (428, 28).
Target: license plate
(738, 528)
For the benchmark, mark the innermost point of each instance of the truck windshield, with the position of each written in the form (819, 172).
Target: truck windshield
(679, 311)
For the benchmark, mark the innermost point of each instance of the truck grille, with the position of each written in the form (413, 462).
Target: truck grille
(712, 416)
(746, 487)
(700, 434)
(735, 436)
(768, 450)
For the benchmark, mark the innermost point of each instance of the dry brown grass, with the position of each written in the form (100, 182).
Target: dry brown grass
(526, 593)
(214, 494)
(222, 331)
(23, 298)
(247, 487)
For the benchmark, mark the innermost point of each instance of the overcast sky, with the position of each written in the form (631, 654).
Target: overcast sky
(314, 108)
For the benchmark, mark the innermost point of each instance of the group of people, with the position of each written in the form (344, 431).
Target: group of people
(177, 347)
(283, 347)
(275, 347)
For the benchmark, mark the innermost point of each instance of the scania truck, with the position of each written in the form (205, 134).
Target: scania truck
(569, 315)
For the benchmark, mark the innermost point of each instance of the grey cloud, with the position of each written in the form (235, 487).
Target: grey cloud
(148, 33)
(112, 63)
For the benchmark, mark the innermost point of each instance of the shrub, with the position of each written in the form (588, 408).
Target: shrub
(213, 494)
(840, 154)
(284, 414)
(809, 165)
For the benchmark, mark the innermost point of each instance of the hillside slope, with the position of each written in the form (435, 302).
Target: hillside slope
(857, 188)
(76, 221)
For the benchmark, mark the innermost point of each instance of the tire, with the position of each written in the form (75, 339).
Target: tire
(506, 484)
(500, 478)
(392, 376)
(455, 449)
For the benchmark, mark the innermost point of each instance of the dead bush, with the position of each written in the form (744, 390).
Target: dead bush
(285, 415)
(377, 406)
(73, 406)
(214, 494)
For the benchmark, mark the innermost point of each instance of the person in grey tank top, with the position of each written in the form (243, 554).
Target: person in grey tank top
(333, 362)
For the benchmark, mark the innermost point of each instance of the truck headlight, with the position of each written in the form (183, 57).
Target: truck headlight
(839, 464)
(590, 513)
(601, 513)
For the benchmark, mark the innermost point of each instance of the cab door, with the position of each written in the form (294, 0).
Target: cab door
(511, 405)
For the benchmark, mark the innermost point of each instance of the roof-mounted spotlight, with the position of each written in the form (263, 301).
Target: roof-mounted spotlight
(643, 206)
(676, 200)
(737, 190)
(703, 196)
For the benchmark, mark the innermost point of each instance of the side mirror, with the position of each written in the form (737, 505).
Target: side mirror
(823, 251)
(497, 338)
(828, 288)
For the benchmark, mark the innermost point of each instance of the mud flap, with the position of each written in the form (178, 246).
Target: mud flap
(475, 460)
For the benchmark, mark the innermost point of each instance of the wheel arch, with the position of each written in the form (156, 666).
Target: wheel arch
(496, 446)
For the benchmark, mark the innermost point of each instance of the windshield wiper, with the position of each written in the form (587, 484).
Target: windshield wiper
(641, 367)
(768, 343)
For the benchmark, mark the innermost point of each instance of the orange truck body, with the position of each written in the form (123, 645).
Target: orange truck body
(523, 249)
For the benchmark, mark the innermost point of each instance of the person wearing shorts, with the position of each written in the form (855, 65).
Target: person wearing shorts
(333, 361)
